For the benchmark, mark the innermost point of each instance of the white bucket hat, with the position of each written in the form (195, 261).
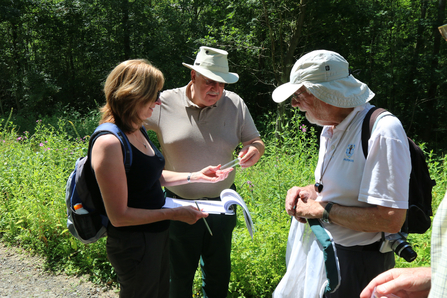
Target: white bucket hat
(213, 64)
(326, 75)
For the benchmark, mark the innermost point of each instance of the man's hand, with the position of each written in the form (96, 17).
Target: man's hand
(300, 202)
(403, 282)
(251, 152)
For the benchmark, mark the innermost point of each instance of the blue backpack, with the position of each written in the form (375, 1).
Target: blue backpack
(91, 226)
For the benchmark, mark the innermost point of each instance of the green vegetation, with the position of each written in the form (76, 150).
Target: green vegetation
(35, 167)
(54, 54)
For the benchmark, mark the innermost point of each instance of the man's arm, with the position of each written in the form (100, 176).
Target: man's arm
(251, 152)
(363, 219)
(368, 219)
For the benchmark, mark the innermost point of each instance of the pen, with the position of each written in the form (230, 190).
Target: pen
(231, 164)
(197, 204)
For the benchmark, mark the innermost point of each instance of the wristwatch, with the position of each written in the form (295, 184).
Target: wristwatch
(326, 211)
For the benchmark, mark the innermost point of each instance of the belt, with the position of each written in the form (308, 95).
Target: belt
(175, 196)
(170, 194)
(370, 247)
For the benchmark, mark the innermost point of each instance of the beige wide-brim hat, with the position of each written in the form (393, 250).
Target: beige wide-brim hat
(213, 64)
(326, 75)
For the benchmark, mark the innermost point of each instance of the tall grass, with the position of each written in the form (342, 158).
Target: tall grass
(33, 173)
(34, 168)
(259, 264)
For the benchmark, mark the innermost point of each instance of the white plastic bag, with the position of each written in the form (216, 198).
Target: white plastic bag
(306, 273)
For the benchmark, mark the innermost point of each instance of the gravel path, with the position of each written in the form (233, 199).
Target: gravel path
(22, 275)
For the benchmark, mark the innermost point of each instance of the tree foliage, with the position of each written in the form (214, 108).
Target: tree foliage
(55, 54)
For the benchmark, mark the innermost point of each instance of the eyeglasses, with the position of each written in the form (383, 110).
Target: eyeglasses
(295, 95)
(209, 82)
(158, 96)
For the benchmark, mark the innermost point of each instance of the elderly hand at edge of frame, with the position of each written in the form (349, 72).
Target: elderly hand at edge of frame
(403, 282)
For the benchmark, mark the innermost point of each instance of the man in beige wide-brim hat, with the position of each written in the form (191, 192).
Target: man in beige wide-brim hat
(213, 64)
(201, 124)
(355, 197)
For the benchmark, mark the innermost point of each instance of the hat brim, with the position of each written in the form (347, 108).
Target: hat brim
(343, 93)
(221, 77)
(281, 93)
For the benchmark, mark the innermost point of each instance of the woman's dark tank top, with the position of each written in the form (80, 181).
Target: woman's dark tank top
(144, 188)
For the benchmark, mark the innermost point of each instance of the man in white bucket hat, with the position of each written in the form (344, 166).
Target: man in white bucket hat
(355, 197)
(202, 123)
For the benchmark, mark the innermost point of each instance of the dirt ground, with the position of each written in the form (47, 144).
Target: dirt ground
(22, 275)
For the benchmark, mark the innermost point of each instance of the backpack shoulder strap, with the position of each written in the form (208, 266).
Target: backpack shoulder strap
(111, 128)
(368, 125)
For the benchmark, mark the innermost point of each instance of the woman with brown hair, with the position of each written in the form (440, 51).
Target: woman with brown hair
(138, 234)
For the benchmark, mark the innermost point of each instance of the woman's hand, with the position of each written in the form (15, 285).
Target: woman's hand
(210, 174)
(188, 214)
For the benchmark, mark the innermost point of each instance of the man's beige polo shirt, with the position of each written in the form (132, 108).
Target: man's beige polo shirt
(192, 138)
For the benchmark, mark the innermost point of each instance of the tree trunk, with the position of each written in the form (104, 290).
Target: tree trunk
(282, 69)
(432, 99)
(126, 34)
(412, 89)
(436, 47)
(17, 59)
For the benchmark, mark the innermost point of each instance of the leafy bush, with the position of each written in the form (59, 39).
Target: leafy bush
(32, 182)
(81, 125)
(35, 167)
